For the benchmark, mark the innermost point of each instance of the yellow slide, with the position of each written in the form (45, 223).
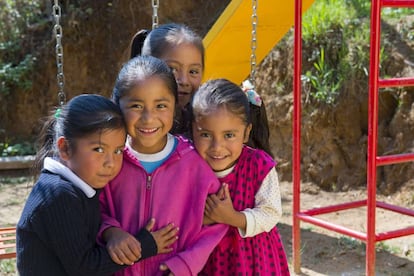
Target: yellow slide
(228, 43)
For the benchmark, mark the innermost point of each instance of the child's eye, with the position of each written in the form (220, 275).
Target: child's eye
(205, 135)
(136, 106)
(229, 135)
(161, 106)
(99, 149)
(174, 70)
(119, 151)
(194, 72)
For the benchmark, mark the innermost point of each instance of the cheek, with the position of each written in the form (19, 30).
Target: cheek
(200, 146)
(195, 83)
(118, 163)
(169, 117)
(130, 118)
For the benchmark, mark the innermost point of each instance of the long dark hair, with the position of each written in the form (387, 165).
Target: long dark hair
(82, 116)
(155, 42)
(221, 92)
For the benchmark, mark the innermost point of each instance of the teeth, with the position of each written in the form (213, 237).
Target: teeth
(148, 130)
(217, 157)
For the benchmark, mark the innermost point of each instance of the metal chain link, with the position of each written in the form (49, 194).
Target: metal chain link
(155, 5)
(253, 43)
(58, 33)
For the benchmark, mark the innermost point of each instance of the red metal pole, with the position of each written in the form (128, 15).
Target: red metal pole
(296, 126)
(398, 3)
(372, 135)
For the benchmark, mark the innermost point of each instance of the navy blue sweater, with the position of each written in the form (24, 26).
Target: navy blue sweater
(56, 233)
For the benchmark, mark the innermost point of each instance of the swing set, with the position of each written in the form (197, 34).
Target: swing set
(229, 31)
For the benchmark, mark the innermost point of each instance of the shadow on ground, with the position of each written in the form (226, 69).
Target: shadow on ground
(326, 255)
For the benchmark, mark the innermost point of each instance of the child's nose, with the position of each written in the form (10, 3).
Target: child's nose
(216, 143)
(146, 115)
(182, 78)
(109, 160)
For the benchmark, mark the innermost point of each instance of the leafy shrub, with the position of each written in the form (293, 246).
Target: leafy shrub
(25, 148)
(16, 16)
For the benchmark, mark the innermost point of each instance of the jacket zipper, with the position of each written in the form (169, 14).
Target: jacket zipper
(149, 178)
(147, 207)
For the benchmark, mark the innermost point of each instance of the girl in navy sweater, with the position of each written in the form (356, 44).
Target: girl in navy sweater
(82, 151)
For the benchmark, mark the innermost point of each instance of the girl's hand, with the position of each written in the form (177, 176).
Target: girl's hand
(164, 237)
(207, 220)
(166, 270)
(220, 195)
(219, 208)
(122, 246)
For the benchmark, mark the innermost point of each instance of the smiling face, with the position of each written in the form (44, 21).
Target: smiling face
(219, 138)
(149, 114)
(186, 62)
(96, 158)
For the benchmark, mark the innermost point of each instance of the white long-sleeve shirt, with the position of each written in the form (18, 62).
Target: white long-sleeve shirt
(268, 205)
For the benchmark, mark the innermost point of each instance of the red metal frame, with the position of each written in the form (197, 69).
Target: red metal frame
(7, 243)
(373, 161)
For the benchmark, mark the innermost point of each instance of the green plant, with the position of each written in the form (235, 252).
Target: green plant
(324, 80)
(383, 247)
(25, 148)
(351, 243)
(388, 13)
(16, 75)
(8, 267)
(361, 7)
(16, 65)
(324, 14)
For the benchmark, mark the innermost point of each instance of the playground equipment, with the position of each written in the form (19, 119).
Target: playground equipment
(373, 160)
(228, 47)
(229, 41)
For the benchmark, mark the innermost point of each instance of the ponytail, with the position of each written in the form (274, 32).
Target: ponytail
(260, 134)
(45, 143)
(137, 42)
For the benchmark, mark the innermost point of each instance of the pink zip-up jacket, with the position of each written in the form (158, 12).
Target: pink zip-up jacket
(175, 192)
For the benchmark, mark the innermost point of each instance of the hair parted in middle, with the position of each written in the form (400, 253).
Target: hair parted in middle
(218, 93)
(139, 69)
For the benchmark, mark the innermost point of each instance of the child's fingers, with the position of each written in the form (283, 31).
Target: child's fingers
(150, 224)
(221, 192)
(115, 258)
(119, 257)
(171, 237)
(134, 252)
(226, 191)
(165, 250)
(212, 201)
(171, 233)
(166, 270)
(129, 252)
(163, 231)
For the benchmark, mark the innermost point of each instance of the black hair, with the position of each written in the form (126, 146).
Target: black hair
(139, 69)
(82, 116)
(217, 93)
(137, 42)
(155, 42)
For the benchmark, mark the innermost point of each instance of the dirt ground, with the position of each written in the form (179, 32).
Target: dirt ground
(323, 252)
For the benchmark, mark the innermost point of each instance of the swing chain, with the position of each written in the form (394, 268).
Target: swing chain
(58, 33)
(155, 5)
(253, 44)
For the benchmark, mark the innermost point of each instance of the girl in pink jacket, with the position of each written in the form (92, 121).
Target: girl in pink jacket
(162, 176)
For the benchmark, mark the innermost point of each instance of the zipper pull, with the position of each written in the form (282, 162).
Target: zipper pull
(149, 182)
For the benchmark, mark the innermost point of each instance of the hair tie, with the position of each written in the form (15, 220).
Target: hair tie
(57, 113)
(252, 96)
